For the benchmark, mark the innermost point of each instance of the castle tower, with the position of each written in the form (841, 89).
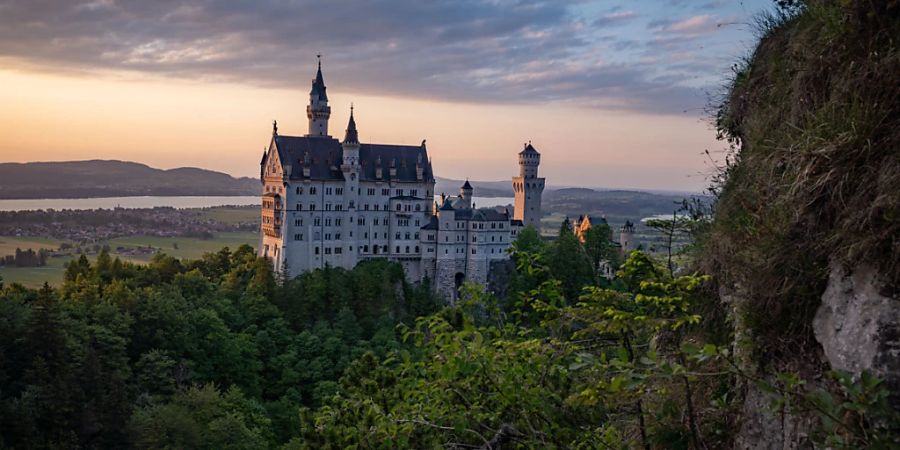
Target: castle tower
(626, 237)
(318, 110)
(528, 187)
(465, 193)
(351, 168)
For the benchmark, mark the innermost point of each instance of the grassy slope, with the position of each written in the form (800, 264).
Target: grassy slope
(188, 248)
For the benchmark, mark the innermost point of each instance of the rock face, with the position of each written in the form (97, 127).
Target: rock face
(765, 428)
(858, 326)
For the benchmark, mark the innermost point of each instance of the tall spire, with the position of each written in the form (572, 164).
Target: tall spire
(318, 85)
(352, 137)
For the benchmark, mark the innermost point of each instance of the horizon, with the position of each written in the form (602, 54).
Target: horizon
(613, 95)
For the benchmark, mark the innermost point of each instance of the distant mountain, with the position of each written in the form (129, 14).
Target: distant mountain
(98, 178)
(482, 188)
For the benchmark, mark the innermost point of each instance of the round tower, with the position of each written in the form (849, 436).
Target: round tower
(626, 237)
(465, 193)
(318, 110)
(528, 187)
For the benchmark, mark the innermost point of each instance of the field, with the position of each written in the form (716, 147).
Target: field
(186, 248)
(232, 214)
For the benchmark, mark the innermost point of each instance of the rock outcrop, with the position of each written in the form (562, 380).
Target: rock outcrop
(858, 326)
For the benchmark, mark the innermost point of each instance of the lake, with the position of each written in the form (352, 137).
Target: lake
(174, 202)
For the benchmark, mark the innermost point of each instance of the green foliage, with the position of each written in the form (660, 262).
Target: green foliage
(210, 353)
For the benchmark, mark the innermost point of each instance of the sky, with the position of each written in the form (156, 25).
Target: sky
(612, 93)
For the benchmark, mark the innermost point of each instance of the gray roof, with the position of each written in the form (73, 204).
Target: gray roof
(318, 85)
(352, 136)
(323, 156)
(529, 149)
(466, 185)
(481, 215)
(432, 224)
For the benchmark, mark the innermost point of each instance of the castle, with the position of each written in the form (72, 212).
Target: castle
(332, 203)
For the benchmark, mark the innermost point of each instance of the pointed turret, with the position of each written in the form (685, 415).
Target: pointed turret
(465, 193)
(352, 136)
(318, 84)
(318, 110)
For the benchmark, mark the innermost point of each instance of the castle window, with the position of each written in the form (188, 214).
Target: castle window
(473, 239)
(407, 249)
(398, 249)
(328, 207)
(385, 248)
(312, 190)
(366, 207)
(298, 222)
(446, 251)
(328, 191)
(397, 235)
(327, 250)
(408, 208)
(417, 249)
(385, 191)
(337, 221)
(317, 221)
(338, 250)
(328, 221)
(365, 249)
(337, 236)
(473, 251)
(376, 207)
(492, 238)
(501, 238)
(312, 206)
(399, 206)
(398, 192)
(446, 238)
(413, 192)
(370, 191)
(417, 222)
(299, 190)
(407, 235)
(360, 220)
(327, 236)
(297, 237)
(416, 236)
(376, 220)
(366, 235)
(352, 204)
(501, 225)
(339, 191)
(418, 207)
(299, 207)
(317, 250)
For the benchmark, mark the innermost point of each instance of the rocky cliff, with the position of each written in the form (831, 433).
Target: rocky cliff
(806, 238)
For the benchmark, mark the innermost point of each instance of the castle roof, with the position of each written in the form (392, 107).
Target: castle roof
(466, 185)
(323, 156)
(318, 85)
(447, 206)
(432, 223)
(529, 149)
(352, 136)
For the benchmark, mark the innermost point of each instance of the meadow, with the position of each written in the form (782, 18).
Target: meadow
(179, 247)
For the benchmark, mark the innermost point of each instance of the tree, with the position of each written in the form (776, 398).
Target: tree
(569, 264)
(599, 247)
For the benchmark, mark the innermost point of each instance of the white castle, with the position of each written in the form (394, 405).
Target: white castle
(331, 203)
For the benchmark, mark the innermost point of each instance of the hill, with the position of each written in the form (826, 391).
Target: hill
(99, 178)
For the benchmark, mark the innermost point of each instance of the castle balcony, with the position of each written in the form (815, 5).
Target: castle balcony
(272, 214)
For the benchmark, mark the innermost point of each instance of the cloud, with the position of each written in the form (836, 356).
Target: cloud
(460, 50)
(615, 18)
